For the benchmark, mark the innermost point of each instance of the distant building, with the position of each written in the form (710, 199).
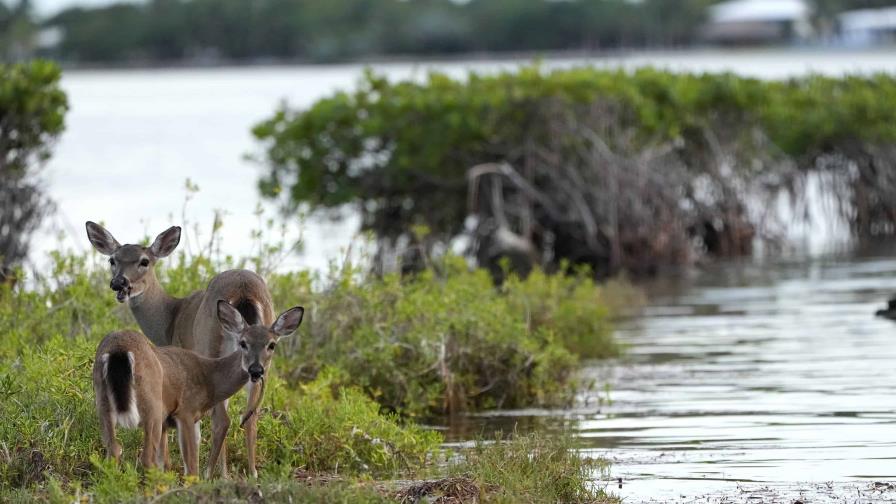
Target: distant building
(758, 21)
(867, 27)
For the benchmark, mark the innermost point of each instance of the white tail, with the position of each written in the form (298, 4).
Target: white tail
(189, 322)
(120, 388)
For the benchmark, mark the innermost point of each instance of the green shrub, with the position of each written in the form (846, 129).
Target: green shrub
(446, 340)
(32, 112)
(632, 170)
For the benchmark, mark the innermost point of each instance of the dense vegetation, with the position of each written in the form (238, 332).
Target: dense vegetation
(32, 111)
(372, 353)
(610, 168)
(209, 31)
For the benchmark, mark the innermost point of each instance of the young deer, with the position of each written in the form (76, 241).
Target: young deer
(139, 384)
(189, 322)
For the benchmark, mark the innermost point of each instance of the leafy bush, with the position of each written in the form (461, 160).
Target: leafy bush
(32, 111)
(611, 168)
(446, 340)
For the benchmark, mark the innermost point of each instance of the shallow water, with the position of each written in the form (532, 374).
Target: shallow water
(748, 382)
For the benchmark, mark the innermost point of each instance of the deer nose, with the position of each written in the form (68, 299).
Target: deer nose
(119, 283)
(256, 371)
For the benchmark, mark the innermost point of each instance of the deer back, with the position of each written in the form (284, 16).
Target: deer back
(242, 289)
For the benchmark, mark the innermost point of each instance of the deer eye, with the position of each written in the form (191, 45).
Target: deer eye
(243, 345)
(144, 262)
(112, 261)
(271, 346)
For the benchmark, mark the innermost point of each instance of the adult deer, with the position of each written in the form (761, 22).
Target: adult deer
(178, 385)
(189, 322)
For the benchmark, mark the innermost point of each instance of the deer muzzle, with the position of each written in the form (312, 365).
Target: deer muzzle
(121, 286)
(256, 372)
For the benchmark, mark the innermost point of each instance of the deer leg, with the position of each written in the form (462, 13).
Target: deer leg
(220, 425)
(186, 436)
(162, 457)
(251, 426)
(152, 434)
(107, 427)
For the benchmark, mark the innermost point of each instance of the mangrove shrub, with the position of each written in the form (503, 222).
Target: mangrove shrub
(609, 168)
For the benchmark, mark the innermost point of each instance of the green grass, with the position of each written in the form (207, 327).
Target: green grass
(520, 469)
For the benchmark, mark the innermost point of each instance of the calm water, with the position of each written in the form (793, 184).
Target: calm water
(758, 377)
(756, 374)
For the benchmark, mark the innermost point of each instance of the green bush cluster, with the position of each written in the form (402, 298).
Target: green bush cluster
(440, 127)
(447, 340)
(32, 116)
(400, 151)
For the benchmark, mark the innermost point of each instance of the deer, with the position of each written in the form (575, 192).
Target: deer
(138, 384)
(190, 322)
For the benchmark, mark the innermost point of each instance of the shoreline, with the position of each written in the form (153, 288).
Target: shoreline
(777, 52)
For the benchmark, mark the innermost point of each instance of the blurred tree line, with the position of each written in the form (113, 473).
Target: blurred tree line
(331, 30)
(17, 30)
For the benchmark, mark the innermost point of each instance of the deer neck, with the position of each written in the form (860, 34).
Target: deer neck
(155, 310)
(228, 376)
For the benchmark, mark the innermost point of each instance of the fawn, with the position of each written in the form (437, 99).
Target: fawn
(139, 384)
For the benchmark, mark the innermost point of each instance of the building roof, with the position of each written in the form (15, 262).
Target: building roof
(738, 11)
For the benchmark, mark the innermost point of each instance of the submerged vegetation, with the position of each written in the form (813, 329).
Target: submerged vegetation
(615, 169)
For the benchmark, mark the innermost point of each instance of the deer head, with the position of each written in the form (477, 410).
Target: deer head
(257, 342)
(131, 265)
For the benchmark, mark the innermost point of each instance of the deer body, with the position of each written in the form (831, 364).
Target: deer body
(139, 384)
(189, 322)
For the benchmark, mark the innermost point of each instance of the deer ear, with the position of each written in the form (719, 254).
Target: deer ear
(101, 239)
(288, 321)
(231, 320)
(166, 242)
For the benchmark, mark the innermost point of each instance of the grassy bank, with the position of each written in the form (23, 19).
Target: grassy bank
(525, 469)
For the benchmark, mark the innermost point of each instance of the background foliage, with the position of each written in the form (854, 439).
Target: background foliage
(32, 111)
(205, 31)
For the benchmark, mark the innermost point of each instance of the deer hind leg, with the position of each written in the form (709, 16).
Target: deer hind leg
(107, 426)
(163, 456)
(220, 426)
(152, 439)
(186, 436)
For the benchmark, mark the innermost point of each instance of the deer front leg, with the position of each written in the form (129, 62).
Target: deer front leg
(220, 426)
(186, 436)
(251, 426)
